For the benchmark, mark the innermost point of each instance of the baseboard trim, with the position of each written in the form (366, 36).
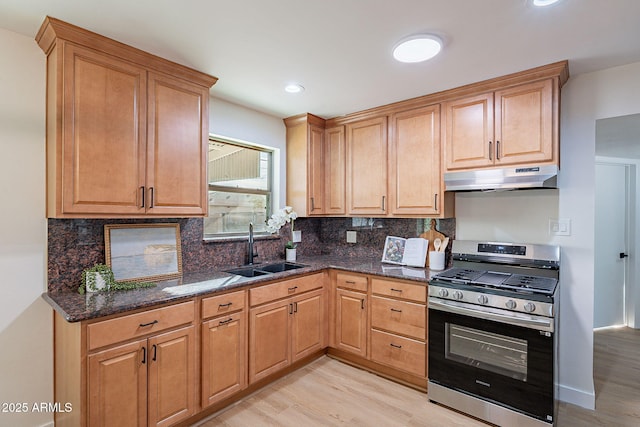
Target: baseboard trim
(574, 396)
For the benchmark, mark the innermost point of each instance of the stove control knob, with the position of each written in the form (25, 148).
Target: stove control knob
(457, 295)
(511, 304)
(529, 307)
(443, 293)
(482, 299)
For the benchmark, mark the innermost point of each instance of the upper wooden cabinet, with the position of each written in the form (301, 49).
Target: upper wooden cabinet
(127, 131)
(513, 126)
(367, 167)
(306, 164)
(334, 171)
(415, 175)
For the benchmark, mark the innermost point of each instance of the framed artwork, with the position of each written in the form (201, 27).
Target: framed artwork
(143, 252)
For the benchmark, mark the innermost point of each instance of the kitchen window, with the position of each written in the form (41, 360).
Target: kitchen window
(240, 188)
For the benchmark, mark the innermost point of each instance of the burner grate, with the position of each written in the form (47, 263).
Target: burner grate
(460, 274)
(536, 283)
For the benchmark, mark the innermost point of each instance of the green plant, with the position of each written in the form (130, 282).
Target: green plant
(290, 245)
(89, 280)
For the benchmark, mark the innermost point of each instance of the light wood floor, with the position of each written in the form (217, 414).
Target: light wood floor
(616, 365)
(331, 393)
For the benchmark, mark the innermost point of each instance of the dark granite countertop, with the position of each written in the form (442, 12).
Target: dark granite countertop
(75, 307)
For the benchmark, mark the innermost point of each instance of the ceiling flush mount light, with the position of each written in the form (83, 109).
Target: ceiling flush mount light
(417, 48)
(294, 88)
(543, 3)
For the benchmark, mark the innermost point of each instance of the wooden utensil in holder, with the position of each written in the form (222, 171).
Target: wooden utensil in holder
(431, 235)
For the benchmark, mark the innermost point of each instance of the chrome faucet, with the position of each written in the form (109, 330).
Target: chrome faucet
(250, 253)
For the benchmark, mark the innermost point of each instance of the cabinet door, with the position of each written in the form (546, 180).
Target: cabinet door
(308, 324)
(269, 344)
(316, 171)
(469, 139)
(117, 386)
(177, 139)
(524, 123)
(172, 384)
(334, 172)
(367, 167)
(351, 322)
(103, 135)
(224, 357)
(414, 162)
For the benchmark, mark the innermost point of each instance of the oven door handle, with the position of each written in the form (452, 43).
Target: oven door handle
(542, 324)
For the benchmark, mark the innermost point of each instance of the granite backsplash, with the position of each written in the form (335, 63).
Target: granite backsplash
(75, 244)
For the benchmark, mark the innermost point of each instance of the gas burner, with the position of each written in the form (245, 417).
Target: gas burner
(464, 275)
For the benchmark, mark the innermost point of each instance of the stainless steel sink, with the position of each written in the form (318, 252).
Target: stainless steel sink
(279, 267)
(261, 270)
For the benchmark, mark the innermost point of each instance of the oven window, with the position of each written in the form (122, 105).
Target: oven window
(485, 350)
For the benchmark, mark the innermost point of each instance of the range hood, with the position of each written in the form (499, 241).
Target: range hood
(512, 178)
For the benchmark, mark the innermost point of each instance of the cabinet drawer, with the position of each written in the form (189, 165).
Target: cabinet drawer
(402, 317)
(134, 325)
(286, 288)
(398, 352)
(351, 281)
(402, 290)
(222, 304)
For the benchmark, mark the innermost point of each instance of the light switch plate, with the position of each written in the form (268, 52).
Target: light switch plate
(297, 237)
(351, 237)
(560, 227)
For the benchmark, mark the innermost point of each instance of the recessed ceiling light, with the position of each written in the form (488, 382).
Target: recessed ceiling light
(417, 48)
(293, 88)
(542, 3)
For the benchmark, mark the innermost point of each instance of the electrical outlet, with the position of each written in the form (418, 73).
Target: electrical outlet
(351, 237)
(297, 236)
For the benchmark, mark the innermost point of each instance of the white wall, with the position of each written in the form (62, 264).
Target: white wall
(241, 123)
(26, 346)
(510, 216)
(585, 98)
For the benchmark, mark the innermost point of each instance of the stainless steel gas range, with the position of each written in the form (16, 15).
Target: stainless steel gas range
(493, 332)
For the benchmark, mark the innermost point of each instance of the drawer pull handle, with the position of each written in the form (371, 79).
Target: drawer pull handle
(295, 307)
(362, 303)
(142, 194)
(224, 322)
(142, 325)
(351, 282)
(151, 194)
(291, 308)
(395, 345)
(293, 289)
(225, 305)
(396, 310)
(155, 352)
(144, 355)
(396, 290)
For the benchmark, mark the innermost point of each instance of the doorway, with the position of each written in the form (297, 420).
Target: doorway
(617, 219)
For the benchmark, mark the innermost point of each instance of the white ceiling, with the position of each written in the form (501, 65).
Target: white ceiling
(340, 50)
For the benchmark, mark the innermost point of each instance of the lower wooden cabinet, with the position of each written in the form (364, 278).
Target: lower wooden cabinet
(159, 367)
(117, 384)
(399, 325)
(382, 321)
(147, 382)
(351, 321)
(224, 357)
(286, 330)
(223, 346)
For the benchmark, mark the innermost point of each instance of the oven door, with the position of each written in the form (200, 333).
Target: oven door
(500, 362)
